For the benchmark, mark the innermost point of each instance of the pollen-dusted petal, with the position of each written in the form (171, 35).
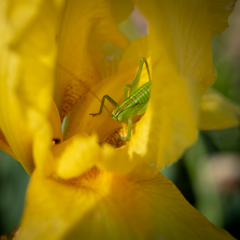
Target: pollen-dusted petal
(104, 206)
(184, 28)
(86, 27)
(26, 60)
(76, 155)
(217, 112)
(219, 12)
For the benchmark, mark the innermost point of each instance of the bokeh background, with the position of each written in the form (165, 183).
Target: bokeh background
(208, 174)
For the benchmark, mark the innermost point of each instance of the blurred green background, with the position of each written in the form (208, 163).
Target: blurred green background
(208, 174)
(13, 185)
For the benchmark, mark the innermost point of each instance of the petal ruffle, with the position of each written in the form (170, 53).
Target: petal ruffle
(219, 13)
(103, 206)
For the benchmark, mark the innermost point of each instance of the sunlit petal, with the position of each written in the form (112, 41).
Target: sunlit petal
(76, 156)
(27, 69)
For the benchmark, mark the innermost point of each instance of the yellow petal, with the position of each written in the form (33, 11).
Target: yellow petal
(86, 27)
(218, 112)
(103, 206)
(26, 72)
(76, 156)
(117, 161)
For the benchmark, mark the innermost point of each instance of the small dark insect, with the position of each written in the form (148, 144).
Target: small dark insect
(57, 140)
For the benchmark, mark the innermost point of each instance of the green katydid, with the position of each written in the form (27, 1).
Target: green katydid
(134, 104)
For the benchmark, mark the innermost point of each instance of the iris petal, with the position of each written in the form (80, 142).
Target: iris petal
(27, 67)
(100, 205)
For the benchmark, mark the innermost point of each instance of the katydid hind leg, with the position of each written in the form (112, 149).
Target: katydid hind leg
(102, 104)
(134, 84)
(126, 90)
(127, 86)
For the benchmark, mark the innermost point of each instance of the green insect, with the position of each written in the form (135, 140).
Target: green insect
(133, 105)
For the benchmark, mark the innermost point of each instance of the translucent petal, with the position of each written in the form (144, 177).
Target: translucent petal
(218, 112)
(184, 29)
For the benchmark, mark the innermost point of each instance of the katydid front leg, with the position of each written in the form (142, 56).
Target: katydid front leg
(115, 105)
(102, 104)
(129, 132)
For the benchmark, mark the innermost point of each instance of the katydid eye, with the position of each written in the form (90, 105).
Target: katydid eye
(119, 118)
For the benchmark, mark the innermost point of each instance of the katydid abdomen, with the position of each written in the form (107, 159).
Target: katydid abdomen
(134, 105)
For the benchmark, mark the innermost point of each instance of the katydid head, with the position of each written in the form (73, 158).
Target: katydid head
(118, 116)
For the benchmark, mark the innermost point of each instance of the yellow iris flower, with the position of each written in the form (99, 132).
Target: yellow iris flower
(81, 189)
